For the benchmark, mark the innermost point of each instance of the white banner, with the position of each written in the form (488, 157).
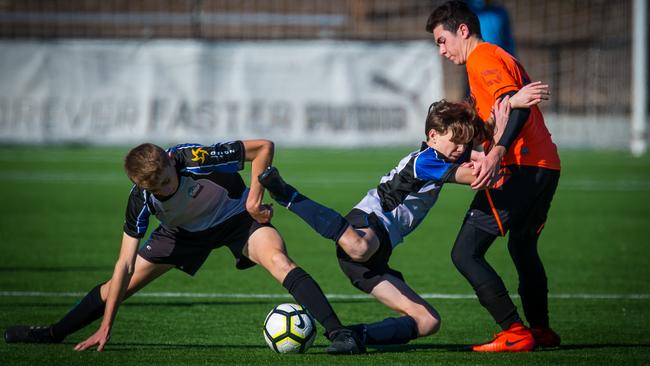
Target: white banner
(298, 93)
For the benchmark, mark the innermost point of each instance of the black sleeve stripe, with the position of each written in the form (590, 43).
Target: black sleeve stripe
(137, 213)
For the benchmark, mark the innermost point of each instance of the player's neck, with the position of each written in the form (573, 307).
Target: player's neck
(472, 43)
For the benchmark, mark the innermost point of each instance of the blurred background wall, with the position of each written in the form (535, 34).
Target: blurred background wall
(581, 48)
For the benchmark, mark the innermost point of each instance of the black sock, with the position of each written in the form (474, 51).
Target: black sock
(325, 221)
(307, 293)
(494, 297)
(388, 331)
(89, 309)
(535, 304)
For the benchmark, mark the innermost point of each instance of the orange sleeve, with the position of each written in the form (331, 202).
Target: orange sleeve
(493, 75)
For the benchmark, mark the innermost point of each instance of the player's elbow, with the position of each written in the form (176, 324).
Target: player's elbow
(268, 145)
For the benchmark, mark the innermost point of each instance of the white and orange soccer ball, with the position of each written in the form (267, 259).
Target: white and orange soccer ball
(289, 329)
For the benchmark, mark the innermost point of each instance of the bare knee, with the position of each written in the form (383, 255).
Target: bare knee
(428, 321)
(357, 248)
(280, 265)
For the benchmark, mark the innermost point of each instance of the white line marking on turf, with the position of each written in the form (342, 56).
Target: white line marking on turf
(195, 295)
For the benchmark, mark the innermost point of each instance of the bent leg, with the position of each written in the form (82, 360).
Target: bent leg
(91, 307)
(419, 318)
(397, 295)
(468, 255)
(359, 244)
(266, 248)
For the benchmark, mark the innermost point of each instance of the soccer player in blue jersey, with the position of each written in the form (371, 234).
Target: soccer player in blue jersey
(367, 235)
(202, 203)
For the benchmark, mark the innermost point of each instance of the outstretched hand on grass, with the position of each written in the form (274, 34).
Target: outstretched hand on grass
(99, 338)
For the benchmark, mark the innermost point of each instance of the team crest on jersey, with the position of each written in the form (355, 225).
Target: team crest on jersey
(194, 190)
(199, 154)
(491, 77)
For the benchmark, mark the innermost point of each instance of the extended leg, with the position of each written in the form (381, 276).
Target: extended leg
(266, 248)
(468, 256)
(533, 287)
(89, 308)
(325, 221)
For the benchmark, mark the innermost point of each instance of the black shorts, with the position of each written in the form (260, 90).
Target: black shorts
(521, 202)
(365, 276)
(187, 250)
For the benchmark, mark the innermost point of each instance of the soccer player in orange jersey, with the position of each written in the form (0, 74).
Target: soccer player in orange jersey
(526, 161)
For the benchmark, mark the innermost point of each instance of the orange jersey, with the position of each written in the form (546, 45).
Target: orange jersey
(492, 72)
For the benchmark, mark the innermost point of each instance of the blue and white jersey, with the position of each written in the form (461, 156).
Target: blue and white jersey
(405, 195)
(210, 190)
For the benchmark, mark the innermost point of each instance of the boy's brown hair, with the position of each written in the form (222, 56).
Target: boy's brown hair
(451, 15)
(145, 164)
(461, 118)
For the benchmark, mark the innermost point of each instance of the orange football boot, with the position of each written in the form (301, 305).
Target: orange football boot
(517, 338)
(546, 337)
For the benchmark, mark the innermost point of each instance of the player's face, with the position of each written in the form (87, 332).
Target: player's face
(450, 44)
(443, 144)
(168, 183)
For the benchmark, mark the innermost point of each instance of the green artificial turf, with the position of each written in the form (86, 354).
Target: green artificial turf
(61, 224)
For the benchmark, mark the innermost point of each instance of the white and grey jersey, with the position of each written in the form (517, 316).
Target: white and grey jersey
(406, 194)
(210, 191)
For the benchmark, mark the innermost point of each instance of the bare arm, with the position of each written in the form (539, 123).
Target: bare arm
(463, 175)
(118, 284)
(260, 154)
(500, 116)
(486, 167)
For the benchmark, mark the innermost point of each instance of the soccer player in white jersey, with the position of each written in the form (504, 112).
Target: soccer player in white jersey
(366, 237)
(202, 203)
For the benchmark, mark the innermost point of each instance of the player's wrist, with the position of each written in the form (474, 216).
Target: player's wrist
(499, 150)
(253, 204)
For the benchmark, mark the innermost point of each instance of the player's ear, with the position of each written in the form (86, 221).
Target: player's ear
(463, 31)
(432, 134)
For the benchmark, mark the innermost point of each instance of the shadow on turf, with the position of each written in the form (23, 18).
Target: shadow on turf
(415, 347)
(466, 348)
(595, 346)
(120, 346)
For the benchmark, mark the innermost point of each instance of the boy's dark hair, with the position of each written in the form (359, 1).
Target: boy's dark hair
(461, 118)
(145, 164)
(451, 15)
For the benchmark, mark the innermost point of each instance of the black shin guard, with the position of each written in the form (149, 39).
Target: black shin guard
(388, 331)
(307, 293)
(494, 297)
(89, 309)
